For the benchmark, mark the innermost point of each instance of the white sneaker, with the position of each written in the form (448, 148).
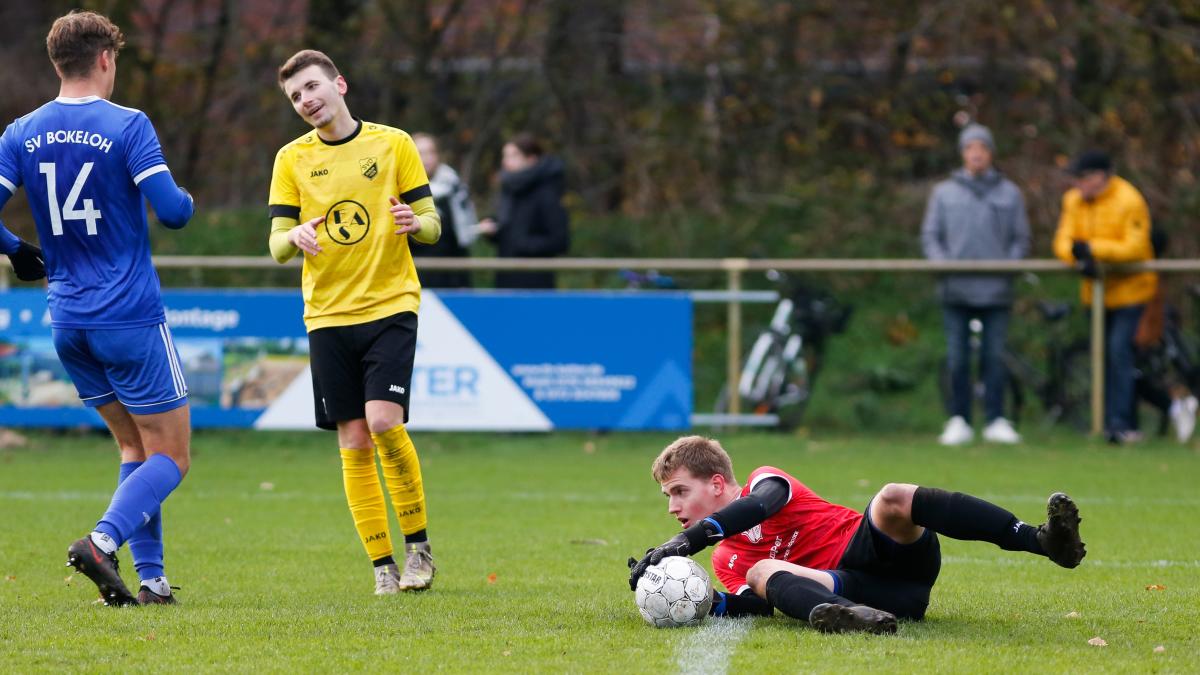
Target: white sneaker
(1183, 417)
(1001, 431)
(957, 432)
(387, 579)
(418, 568)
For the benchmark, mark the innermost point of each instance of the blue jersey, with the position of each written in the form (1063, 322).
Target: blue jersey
(81, 160)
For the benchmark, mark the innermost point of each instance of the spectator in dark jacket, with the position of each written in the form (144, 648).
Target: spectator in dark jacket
(530, 221)
(453, 203)
(976, 214)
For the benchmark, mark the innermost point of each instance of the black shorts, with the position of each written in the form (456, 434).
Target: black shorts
(897, 578)
(364, 362)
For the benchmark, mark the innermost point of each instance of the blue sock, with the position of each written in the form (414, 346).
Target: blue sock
(139, 497)
(146, 542)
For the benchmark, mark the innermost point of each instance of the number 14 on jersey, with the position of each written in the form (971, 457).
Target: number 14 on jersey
(69, 211)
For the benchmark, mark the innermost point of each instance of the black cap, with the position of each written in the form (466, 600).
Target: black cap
(1089, 161)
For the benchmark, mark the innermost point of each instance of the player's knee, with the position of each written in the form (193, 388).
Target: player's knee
(758, 575)
(385, 420)
(894, 501)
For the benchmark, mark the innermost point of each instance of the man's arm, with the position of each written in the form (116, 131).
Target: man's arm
(424, 213)
(931, 229)
(1064, 236)
(172, 204)
(1019, 247)
(1134, 244)
(766, 498)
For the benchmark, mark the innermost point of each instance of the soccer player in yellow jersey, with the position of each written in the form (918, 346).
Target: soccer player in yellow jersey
(348, 195)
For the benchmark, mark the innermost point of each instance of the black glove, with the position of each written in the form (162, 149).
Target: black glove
(692, 540)
(677, 545)
(27, 262)
(1085, 262)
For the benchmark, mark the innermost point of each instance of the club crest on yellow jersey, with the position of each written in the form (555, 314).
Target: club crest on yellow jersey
(369, 167)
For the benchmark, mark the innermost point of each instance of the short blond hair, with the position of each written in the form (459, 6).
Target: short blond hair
(77, 38)
(702, 457)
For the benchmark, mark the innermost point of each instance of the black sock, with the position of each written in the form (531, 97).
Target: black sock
(746, 604)
(416, 537)
(796, 595)
(960, 516)
(385, 560)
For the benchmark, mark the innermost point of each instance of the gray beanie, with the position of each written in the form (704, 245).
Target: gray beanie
(976, 132)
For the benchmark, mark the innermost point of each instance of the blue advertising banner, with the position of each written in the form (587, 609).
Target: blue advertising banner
(485, 361)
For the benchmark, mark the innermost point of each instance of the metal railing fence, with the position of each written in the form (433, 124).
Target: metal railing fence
(734, 295)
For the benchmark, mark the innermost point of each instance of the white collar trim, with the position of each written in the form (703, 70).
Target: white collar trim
(77, 101)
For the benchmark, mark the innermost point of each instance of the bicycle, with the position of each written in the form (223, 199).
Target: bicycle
(783, 363)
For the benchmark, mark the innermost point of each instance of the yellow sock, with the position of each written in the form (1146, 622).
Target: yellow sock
(365, 497)
(402, 472)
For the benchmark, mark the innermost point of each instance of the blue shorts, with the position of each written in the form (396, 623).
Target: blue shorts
(137, 366)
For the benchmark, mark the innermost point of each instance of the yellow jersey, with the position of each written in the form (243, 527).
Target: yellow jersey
(364, 271)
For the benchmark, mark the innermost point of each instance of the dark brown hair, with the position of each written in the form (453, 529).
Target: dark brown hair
(303, 59)
(77, 38)
(527, 143)
(702, 457)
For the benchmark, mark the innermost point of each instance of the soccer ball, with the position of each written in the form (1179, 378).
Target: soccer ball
(675, 592)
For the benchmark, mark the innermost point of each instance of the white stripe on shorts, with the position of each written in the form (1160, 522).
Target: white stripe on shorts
(176, 371)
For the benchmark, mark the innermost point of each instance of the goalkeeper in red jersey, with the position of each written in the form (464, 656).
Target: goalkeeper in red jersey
(780, 545)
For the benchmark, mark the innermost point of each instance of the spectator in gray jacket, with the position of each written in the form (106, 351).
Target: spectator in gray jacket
(976, 214)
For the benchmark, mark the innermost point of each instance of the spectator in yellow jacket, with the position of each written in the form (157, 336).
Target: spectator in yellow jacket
(1105, 220)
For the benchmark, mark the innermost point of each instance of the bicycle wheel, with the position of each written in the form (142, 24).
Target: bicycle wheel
(791, 400)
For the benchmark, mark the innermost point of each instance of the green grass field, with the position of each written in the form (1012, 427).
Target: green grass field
(531, 532)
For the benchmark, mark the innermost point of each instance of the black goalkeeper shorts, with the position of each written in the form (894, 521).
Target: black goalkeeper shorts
(878, 572)
(364, 362)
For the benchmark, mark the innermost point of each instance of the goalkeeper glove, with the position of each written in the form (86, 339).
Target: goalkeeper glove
(692, 540)
(27, 262)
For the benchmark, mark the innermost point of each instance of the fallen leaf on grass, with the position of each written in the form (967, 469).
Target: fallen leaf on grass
(491, 578)
(1159, 649)
(1097, 642)
(67, 581)
(266, 486)
(1072, 615)
(10, 578)
(505, 653)
(148, 638)
(1156, 587)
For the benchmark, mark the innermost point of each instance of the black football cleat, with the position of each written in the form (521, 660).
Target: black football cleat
(146, 596)
(102, 568)
(1059, 536)
(830, 618)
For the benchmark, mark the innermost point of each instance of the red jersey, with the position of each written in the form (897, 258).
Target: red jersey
(807, 531)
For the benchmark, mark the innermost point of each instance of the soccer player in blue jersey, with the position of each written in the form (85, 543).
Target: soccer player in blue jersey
(88, 165)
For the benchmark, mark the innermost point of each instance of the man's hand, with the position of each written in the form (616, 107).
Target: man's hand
(677, 545)
(1085, 262)
(27, 262)
(304, 236)
(402, 215)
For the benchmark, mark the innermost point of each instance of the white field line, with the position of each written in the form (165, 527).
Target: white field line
(1087, 562)
(709, 649)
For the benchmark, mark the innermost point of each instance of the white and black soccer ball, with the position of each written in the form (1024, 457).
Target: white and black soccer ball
(675, 592)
